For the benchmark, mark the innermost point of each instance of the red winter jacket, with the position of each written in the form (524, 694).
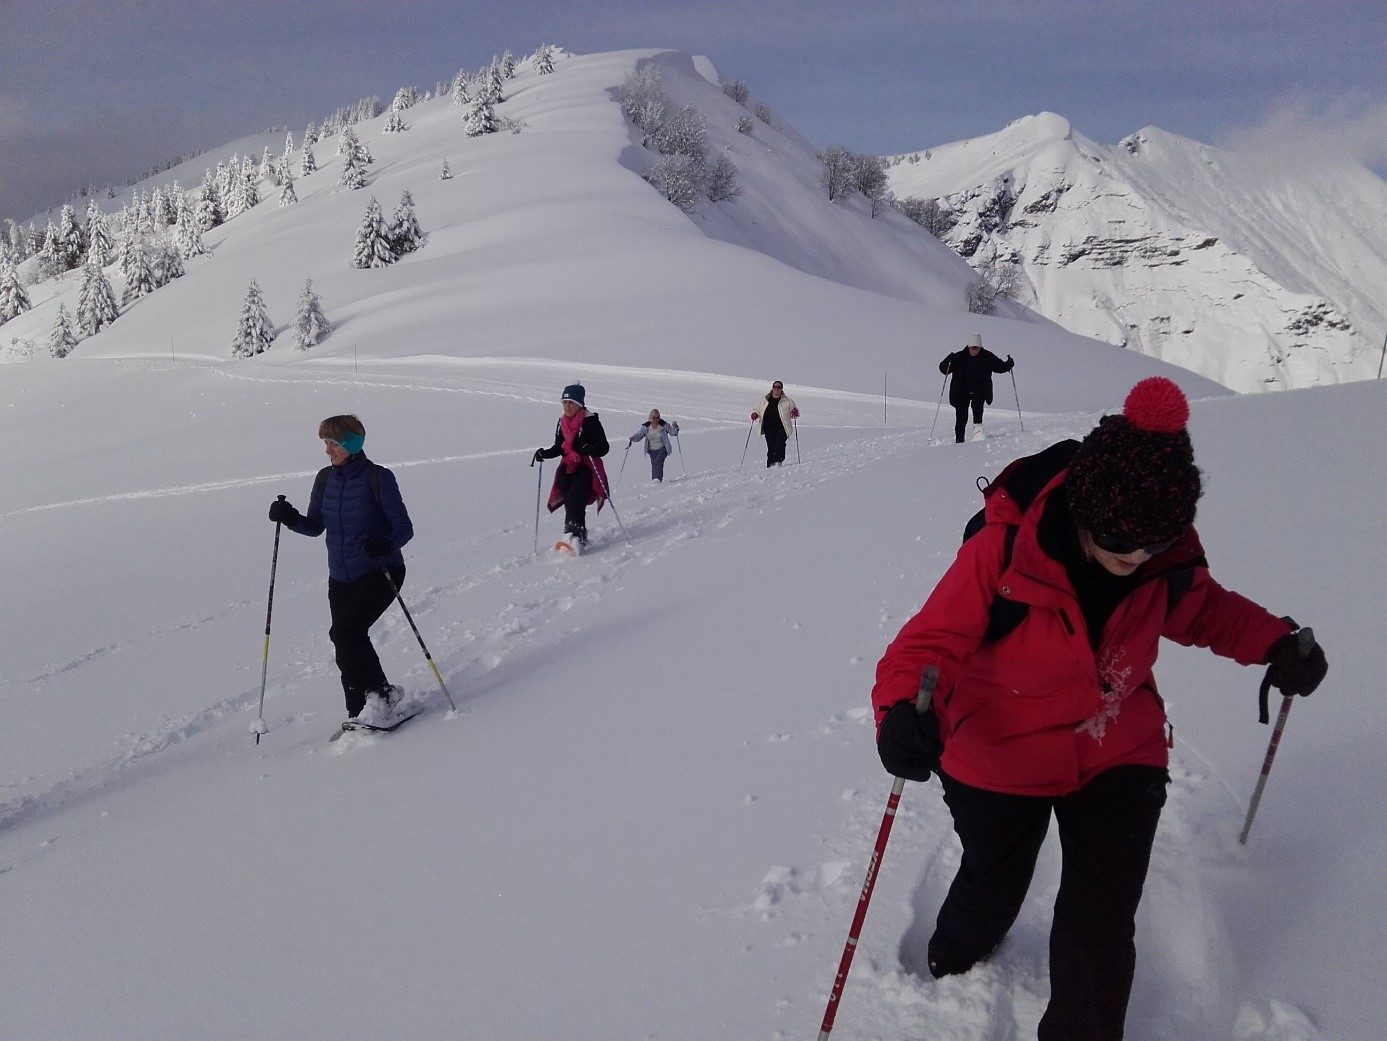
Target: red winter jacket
(1038, 712)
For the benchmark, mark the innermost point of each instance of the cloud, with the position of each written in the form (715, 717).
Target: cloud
(14, 117)
(1309, 130)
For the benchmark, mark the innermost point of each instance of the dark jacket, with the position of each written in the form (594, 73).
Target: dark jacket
(345, 505)
(591, 440)
(972, 377)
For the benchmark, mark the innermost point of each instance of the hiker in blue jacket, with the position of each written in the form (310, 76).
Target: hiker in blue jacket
(357, 503)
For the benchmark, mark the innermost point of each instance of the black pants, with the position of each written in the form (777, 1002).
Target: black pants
(355, 607)
(776, 440)
(576, 489)
(1106, 832)
(961, 415)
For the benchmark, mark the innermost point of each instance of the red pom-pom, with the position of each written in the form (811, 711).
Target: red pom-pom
(1158, 405)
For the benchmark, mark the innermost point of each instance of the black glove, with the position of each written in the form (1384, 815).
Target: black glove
(909, 742)
(377, 546)
(1010, 364)
(283, 513)
(539, 454)
(1290, 672)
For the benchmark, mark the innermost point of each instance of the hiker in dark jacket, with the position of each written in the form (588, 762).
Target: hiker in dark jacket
(777, 413)
(971, 370)
(357, 504)
(1090, 556)
(581, 479)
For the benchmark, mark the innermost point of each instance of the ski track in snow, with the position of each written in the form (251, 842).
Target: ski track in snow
(1183, 946)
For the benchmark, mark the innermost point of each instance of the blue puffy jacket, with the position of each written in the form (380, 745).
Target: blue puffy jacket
(346, 506)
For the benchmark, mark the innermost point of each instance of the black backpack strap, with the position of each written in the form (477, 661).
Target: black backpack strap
(319, 483)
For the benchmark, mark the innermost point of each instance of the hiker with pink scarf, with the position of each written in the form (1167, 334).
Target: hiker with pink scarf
(580, 478)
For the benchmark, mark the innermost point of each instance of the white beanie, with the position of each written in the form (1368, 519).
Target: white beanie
(975, 340)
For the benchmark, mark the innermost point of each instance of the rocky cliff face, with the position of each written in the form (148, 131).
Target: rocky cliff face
(1258, 278)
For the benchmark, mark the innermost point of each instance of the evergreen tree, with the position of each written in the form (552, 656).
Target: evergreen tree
(353, 169)
(235, 197)
(310, 324)
(140, 280)
(19, 249)
(287, 195)
(447, 174)
(167, 265)
(189, 236)
(396, 123)
(460, 93)
(67, 240)
(249, 184)
(544, 59)
(373, 247)
(308, 164)
(310, 136)
(96, 305)
(507, 64)
(255, 330)
(125, 256)
(62, 340)
(346, 142)
(493, 90)
(101, 248)
(13, 299)
(162, 208)
(480, 118)
(405, 234)
(266, 172)
(209, 205)
(288, 143)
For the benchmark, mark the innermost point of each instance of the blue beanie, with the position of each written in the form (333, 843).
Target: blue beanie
(573, 392)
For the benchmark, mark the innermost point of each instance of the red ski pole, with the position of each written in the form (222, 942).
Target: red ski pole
(922, 702)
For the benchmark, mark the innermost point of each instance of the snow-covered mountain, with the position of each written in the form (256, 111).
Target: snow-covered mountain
(1255, 273)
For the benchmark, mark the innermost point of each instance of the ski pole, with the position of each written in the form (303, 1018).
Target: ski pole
(623, 463)
(539, 488)
(748, 443)
(1305, 642)
(427, 656)
(1018, 400)
(795, 424)
(938, 406)
(258, 727)
(928, 680)
(680, 442)
(607, 492)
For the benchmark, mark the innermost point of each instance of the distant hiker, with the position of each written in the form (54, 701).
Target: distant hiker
(971, 370)
(776, 411)
(580, 480)
(1044, 633)
(358, 504)
(655, 433)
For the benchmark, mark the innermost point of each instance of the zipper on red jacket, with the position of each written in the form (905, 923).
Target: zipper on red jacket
(1068, 625)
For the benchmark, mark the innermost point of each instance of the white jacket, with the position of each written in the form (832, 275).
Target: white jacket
(786, 404)
(666, 431)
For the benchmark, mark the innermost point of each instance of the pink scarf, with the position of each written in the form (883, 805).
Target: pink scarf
(570, 427)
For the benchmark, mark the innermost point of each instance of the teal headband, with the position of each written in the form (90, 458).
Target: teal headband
(350, 443)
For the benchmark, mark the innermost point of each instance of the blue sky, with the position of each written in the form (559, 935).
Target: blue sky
(97, 93)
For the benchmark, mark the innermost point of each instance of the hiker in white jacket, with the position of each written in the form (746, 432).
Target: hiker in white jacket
(776, 422)
(655, 434)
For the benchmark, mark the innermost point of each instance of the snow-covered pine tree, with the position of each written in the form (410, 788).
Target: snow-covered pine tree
(188, 236)
(255, 330)
(14, 300)
(373, 248)
(363, 152)
(167, 264)
(447, 174)
(480, 118)
(139, 280)
(287, 195)
(162, 208)
(250, 184)
(346, 142)
(288, 143)
(209, 212)
(308, 164)
(494, 89)
(310, 324)
(353, 173)
(507, 64)
(62, 339)
(67, 243)
(96, 304)
(405, 234)
(310, 136)
(460, 93)
(544, 59)
(19, 249)
(126, 248)
(395, 123)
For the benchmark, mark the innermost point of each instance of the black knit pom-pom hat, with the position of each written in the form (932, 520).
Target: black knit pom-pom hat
(1134, 475)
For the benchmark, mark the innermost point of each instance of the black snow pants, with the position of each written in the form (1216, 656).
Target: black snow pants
(576, 489)
(355, 607)
(1106, 832)
(961, 415)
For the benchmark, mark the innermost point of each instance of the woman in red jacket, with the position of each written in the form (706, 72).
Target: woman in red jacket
(1041, 639)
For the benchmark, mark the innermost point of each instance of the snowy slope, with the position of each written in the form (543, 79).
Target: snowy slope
(1255, 273)
(652, 816)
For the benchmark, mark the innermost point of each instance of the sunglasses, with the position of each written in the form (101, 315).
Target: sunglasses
(1122, 546)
